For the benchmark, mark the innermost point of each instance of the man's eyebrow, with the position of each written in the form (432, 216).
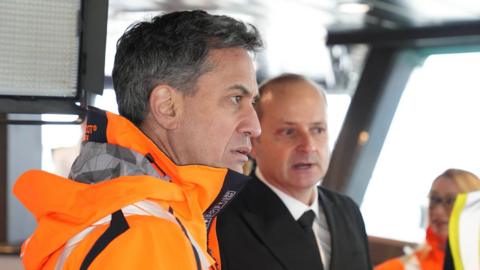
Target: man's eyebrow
(318, 123)
(288, 123)
(242, 89)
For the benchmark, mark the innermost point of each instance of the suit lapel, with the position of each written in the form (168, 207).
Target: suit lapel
(273, 224)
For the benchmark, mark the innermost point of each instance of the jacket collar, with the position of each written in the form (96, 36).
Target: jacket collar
(212, 188)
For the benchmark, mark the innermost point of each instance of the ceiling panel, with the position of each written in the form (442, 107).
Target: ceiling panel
(295, 30)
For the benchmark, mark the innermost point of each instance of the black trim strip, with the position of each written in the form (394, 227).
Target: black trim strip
(150, 158)
(232, 185)
(195, 253)
(118, 225)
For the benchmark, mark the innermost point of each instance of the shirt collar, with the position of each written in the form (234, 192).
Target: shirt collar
(294, 206)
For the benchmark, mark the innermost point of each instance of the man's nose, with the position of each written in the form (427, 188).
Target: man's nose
(306, 142)
(250, 125)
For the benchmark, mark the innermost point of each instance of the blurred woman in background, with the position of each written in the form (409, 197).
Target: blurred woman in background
(430, 255)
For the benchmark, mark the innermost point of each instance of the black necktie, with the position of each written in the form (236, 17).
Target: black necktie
(306, 222)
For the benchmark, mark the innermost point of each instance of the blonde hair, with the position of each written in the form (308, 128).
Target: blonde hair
(466, 181)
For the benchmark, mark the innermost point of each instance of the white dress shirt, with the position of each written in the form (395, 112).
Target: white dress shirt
(297, 208)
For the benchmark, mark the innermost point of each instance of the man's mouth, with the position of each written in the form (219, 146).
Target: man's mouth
(242, 151)
(303, 166)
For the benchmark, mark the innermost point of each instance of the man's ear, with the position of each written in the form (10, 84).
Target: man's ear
(164, 105)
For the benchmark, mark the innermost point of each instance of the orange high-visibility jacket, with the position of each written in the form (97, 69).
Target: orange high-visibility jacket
(428, 257)
(140, 211)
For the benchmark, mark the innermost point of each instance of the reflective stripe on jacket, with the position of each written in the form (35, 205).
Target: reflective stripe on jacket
(464, 231)
(141, 211)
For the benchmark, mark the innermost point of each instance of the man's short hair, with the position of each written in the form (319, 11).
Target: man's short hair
(281, 79)
(171, 49)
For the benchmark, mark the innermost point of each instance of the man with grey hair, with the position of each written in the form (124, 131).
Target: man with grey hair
(149, 183)
(282, 219)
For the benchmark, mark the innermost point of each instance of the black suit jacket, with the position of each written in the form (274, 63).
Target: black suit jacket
(257, 231)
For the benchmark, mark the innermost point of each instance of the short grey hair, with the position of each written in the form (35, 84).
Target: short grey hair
(172, 49)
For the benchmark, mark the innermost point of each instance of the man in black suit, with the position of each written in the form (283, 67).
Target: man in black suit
(282, 219)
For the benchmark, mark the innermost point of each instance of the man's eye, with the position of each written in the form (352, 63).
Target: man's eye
(255, 100)
(236, 99)
(287, 131)
(318, 130)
